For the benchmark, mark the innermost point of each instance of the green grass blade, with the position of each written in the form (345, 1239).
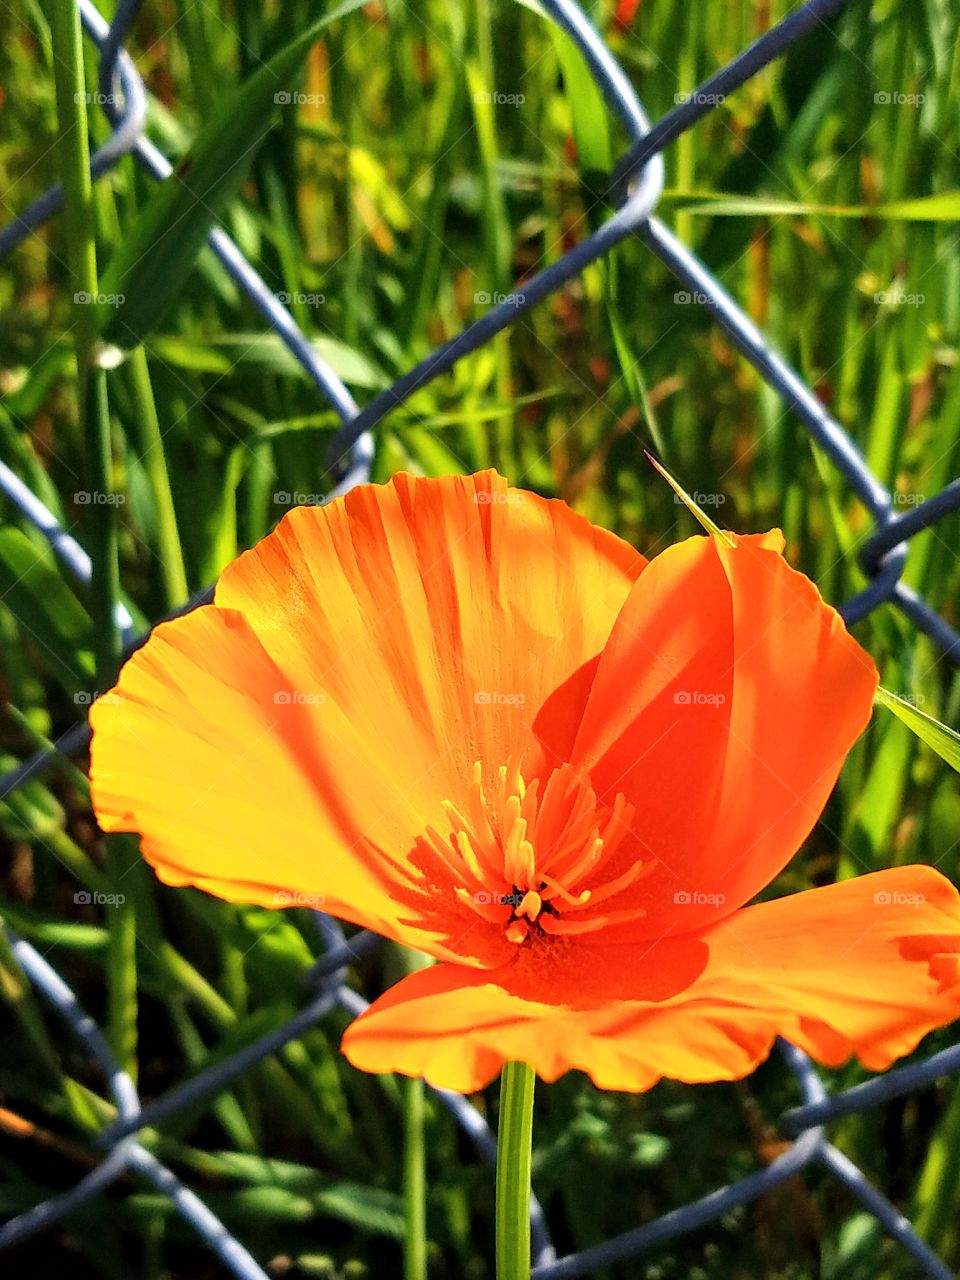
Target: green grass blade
(942, 207)
(693, 507)
(939, 737)
(158, 252)
(46, 610)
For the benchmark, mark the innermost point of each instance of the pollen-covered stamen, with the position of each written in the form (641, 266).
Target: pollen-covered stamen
(530, 858)
(518, 859)
(636, 871)
(581, 861)
(530, 905)
(553, 890)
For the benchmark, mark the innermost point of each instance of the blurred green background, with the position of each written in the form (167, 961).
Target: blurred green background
(430, 157)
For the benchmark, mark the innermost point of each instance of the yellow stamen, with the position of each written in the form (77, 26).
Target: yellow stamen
(556, 890)
(521, 853)
(530, 906)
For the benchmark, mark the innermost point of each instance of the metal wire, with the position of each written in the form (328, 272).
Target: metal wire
(636, 184)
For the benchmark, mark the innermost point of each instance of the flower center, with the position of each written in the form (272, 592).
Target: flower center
(539, 860)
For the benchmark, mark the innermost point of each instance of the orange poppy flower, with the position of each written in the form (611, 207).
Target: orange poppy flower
(460, 715)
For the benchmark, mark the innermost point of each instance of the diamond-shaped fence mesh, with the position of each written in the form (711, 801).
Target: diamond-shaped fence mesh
(636, 185)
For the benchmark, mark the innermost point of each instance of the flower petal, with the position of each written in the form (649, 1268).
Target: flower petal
(865, 967)
(722, 708)
(228, 785)
(302, 733)
(438, 613)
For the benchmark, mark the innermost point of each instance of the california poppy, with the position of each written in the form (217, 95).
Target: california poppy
(461, 715)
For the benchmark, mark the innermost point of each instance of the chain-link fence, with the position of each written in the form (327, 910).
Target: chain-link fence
(635, 187)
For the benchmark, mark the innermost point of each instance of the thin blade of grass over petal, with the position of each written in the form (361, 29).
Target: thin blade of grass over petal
(693, 507)
(939, 737)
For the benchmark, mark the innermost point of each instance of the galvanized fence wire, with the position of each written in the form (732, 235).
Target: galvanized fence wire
(635, 188)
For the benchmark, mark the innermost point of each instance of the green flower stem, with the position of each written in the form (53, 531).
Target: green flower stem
(74, 145)
(513, 1172)
(414, 1183)
(407, 960)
